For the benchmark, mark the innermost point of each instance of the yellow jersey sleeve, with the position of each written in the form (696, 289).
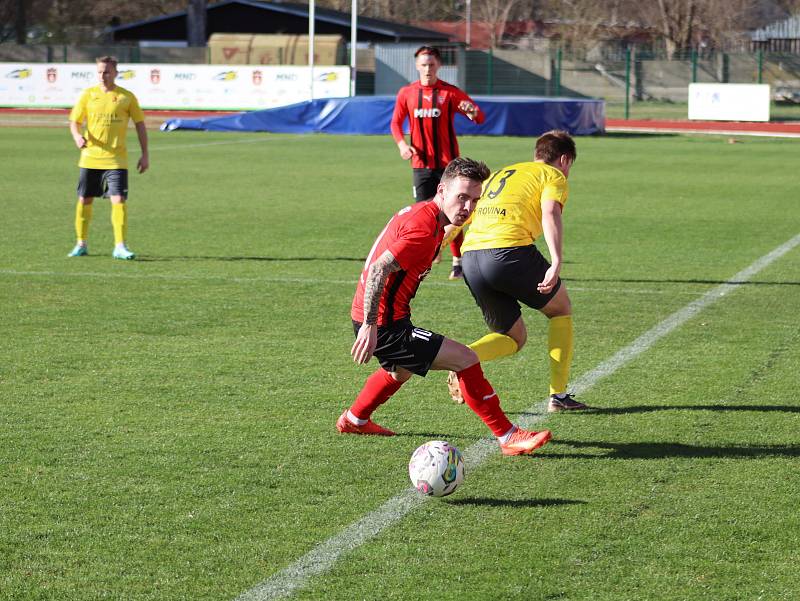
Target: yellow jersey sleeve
(509, 213)
(78, 112)
(135, 110)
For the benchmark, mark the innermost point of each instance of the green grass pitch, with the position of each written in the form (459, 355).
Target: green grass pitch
(167, 425)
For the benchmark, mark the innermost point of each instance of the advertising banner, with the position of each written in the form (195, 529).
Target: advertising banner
(166, 86)
(729, 101)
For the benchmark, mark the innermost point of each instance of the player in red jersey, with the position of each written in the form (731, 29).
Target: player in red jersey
(430, 105)
(397, 263)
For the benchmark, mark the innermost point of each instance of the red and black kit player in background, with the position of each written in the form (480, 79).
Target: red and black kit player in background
(430, 105)
(400, 259)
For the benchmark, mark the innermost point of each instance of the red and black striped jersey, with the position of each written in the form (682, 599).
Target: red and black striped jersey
(430, 111)
(413, 236)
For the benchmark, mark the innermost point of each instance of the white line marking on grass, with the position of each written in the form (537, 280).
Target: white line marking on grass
(322, 557)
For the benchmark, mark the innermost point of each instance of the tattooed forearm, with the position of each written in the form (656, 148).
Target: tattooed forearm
(376, 281)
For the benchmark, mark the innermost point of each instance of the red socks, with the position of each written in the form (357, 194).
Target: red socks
(482, 399)
(455, 245)
(478, 394)
(376, 391)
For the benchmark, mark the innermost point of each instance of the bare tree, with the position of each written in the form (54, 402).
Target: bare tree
(724, 22)
(495, 14)
(676, 23)
(582, 23)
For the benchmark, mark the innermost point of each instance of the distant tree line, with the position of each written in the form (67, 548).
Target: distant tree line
(678, 24)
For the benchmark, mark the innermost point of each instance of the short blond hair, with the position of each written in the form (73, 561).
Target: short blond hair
(108, 60)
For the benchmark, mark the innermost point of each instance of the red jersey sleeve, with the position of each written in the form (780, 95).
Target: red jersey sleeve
(399, 115)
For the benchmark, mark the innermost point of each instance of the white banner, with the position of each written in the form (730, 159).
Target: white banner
(729, 101)
(165, 86)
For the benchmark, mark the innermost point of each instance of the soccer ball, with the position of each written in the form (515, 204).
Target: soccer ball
(436, 468)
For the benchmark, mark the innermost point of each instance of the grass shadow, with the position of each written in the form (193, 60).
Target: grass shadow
(247, 258)
(678, 281)
(664, 450)
(494, 502)
(713, 407)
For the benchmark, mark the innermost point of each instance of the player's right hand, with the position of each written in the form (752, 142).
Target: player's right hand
(549, 281)
(364, 346)
(407, 151)
(80, 142)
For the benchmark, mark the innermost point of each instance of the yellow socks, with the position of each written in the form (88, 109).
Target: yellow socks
(83, 216)
(559, 344)
(494, 346)
(119, 222)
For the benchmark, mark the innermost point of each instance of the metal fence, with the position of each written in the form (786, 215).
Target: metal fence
(618, 75)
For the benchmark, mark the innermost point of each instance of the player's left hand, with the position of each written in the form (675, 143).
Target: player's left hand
(143, 164)
(469, 109)
(550, 280)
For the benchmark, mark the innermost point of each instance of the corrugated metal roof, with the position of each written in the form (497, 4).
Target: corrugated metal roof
(387, 28)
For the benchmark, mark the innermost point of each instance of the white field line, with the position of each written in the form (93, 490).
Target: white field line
(322, 557)
(294, 280)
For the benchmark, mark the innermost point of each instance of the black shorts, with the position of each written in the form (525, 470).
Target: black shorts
(425, 183)
(403, 345)
(93, 183)
(501, 278)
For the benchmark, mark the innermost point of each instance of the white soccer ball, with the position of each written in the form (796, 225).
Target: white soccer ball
(436, 468)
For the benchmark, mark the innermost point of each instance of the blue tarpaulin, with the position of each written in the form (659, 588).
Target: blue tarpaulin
(505, 116)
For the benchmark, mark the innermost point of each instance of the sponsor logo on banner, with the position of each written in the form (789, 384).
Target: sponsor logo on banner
(171, 86)
(19, 74)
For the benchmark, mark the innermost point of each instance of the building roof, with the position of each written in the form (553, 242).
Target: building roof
(253, 16)
(788, 29)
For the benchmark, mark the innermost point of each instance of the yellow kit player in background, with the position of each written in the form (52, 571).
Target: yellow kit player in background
(105, 109)
(503, 268)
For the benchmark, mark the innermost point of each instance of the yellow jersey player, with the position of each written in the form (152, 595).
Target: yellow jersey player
(503, 268)
(105, 109)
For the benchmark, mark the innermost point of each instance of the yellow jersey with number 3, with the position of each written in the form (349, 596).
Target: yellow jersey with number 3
(509, 212)
(106, 115)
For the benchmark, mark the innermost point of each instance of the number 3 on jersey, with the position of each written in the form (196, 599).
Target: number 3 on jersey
(492, 194)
